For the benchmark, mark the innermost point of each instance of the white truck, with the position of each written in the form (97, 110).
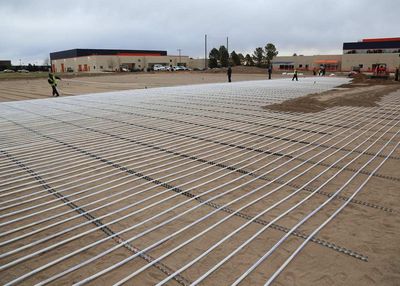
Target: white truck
(158, 67)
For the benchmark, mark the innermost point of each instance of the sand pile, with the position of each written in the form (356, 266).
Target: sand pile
(239, 70)
(362, 92)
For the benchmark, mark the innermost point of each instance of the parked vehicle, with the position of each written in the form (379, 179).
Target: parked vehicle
(22, 71)
(177, 68)
(8, 71)
(185, 68)
(159, 67)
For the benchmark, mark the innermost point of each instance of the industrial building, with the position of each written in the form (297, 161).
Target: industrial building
(101, 60)
(363, 55)
(5, 64)
(367, 53)
(331, 62)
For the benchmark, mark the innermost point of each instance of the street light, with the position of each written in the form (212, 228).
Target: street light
(180, 63)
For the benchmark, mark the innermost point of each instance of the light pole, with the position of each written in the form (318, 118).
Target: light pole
(20, 63)
(180, 63)
(205, 52)
(227, 50)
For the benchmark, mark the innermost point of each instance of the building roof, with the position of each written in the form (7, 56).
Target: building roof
(381, 40)
(370, 44)
(103, 52)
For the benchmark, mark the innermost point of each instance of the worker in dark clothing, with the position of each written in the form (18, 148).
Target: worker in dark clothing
(229, 73)
(295, 75)
(269, 71)
(321, 70)
(52, 80)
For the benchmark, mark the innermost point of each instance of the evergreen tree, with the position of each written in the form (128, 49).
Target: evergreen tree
(258, 56)
(241, 58)
(235, 58)
(249, 60)
(224, 56)
(214, 57)
(270, 53)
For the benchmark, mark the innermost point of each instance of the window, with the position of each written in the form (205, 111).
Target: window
(138, 60)
(286, 67)
(101, 67)
(300, 66)
(361, 66)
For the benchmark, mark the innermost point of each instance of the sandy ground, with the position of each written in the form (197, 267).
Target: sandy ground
(362, 92)
(131, 146)
(11, 90)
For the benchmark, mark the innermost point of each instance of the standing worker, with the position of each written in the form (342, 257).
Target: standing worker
(52, 80)
(321, 70)
(229, 73)
(269, 71)
(295, 75)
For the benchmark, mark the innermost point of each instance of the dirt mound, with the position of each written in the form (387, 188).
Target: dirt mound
(302, 104)
(239, 70)
(364, 80)
(246, 69)
(362, 92)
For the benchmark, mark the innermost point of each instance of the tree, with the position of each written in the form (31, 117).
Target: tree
(214, 57)
(294, 55)
(270, 52)
(241, 57)
(235, 58)
(249, 60)
(258, 56)
(224, 56)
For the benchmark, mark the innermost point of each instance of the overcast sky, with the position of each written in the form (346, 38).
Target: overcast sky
(31, 29)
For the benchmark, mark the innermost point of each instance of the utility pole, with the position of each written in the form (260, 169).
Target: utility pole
(180, 63)
(227, 49)
(205, 52)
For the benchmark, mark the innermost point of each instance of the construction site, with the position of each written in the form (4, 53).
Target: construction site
(186, 179)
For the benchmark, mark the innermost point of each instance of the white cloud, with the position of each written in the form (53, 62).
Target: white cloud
(32, 29)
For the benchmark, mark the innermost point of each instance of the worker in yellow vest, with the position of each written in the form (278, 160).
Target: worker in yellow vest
(52, 80)
(295, 75)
